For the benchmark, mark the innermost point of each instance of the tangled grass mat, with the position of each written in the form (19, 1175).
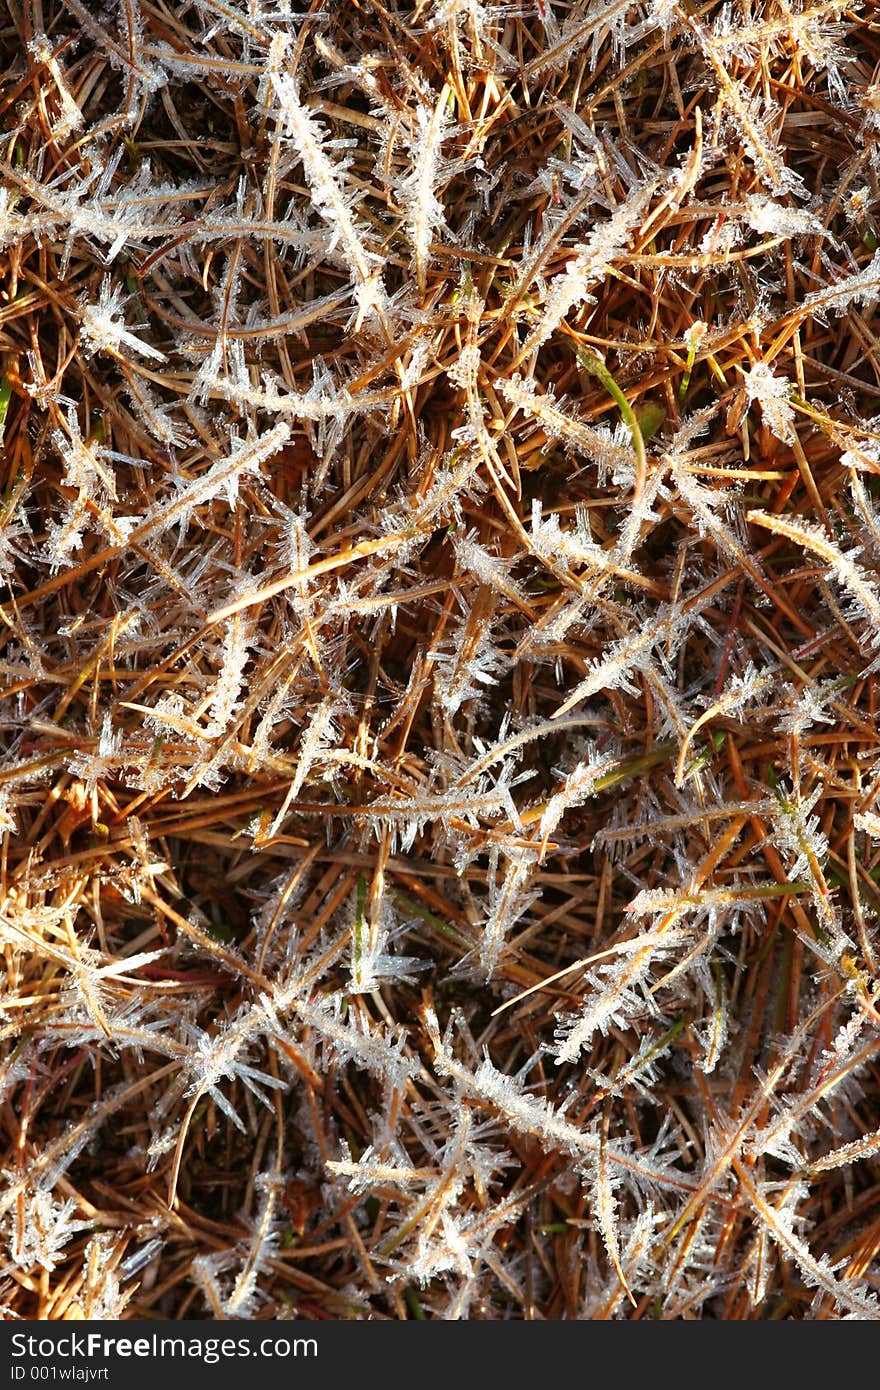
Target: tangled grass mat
(440, 646)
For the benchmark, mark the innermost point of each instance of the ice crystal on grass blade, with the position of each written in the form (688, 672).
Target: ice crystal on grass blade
(41, 1229)
(844, 566)
(104, 328)
(589, 267)
(860, 287)
(333, 200)
(771, 393)
(217, 1058)
(238, 1294)
(425, 214)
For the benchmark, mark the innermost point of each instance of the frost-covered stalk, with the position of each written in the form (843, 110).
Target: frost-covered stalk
(332, 199)
(424, 212)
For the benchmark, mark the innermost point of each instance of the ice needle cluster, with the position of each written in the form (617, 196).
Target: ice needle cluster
(440, 764)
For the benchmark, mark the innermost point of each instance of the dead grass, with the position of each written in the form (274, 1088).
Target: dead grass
(441, 578)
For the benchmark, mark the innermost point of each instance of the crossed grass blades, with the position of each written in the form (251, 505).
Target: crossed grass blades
(441, 627)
